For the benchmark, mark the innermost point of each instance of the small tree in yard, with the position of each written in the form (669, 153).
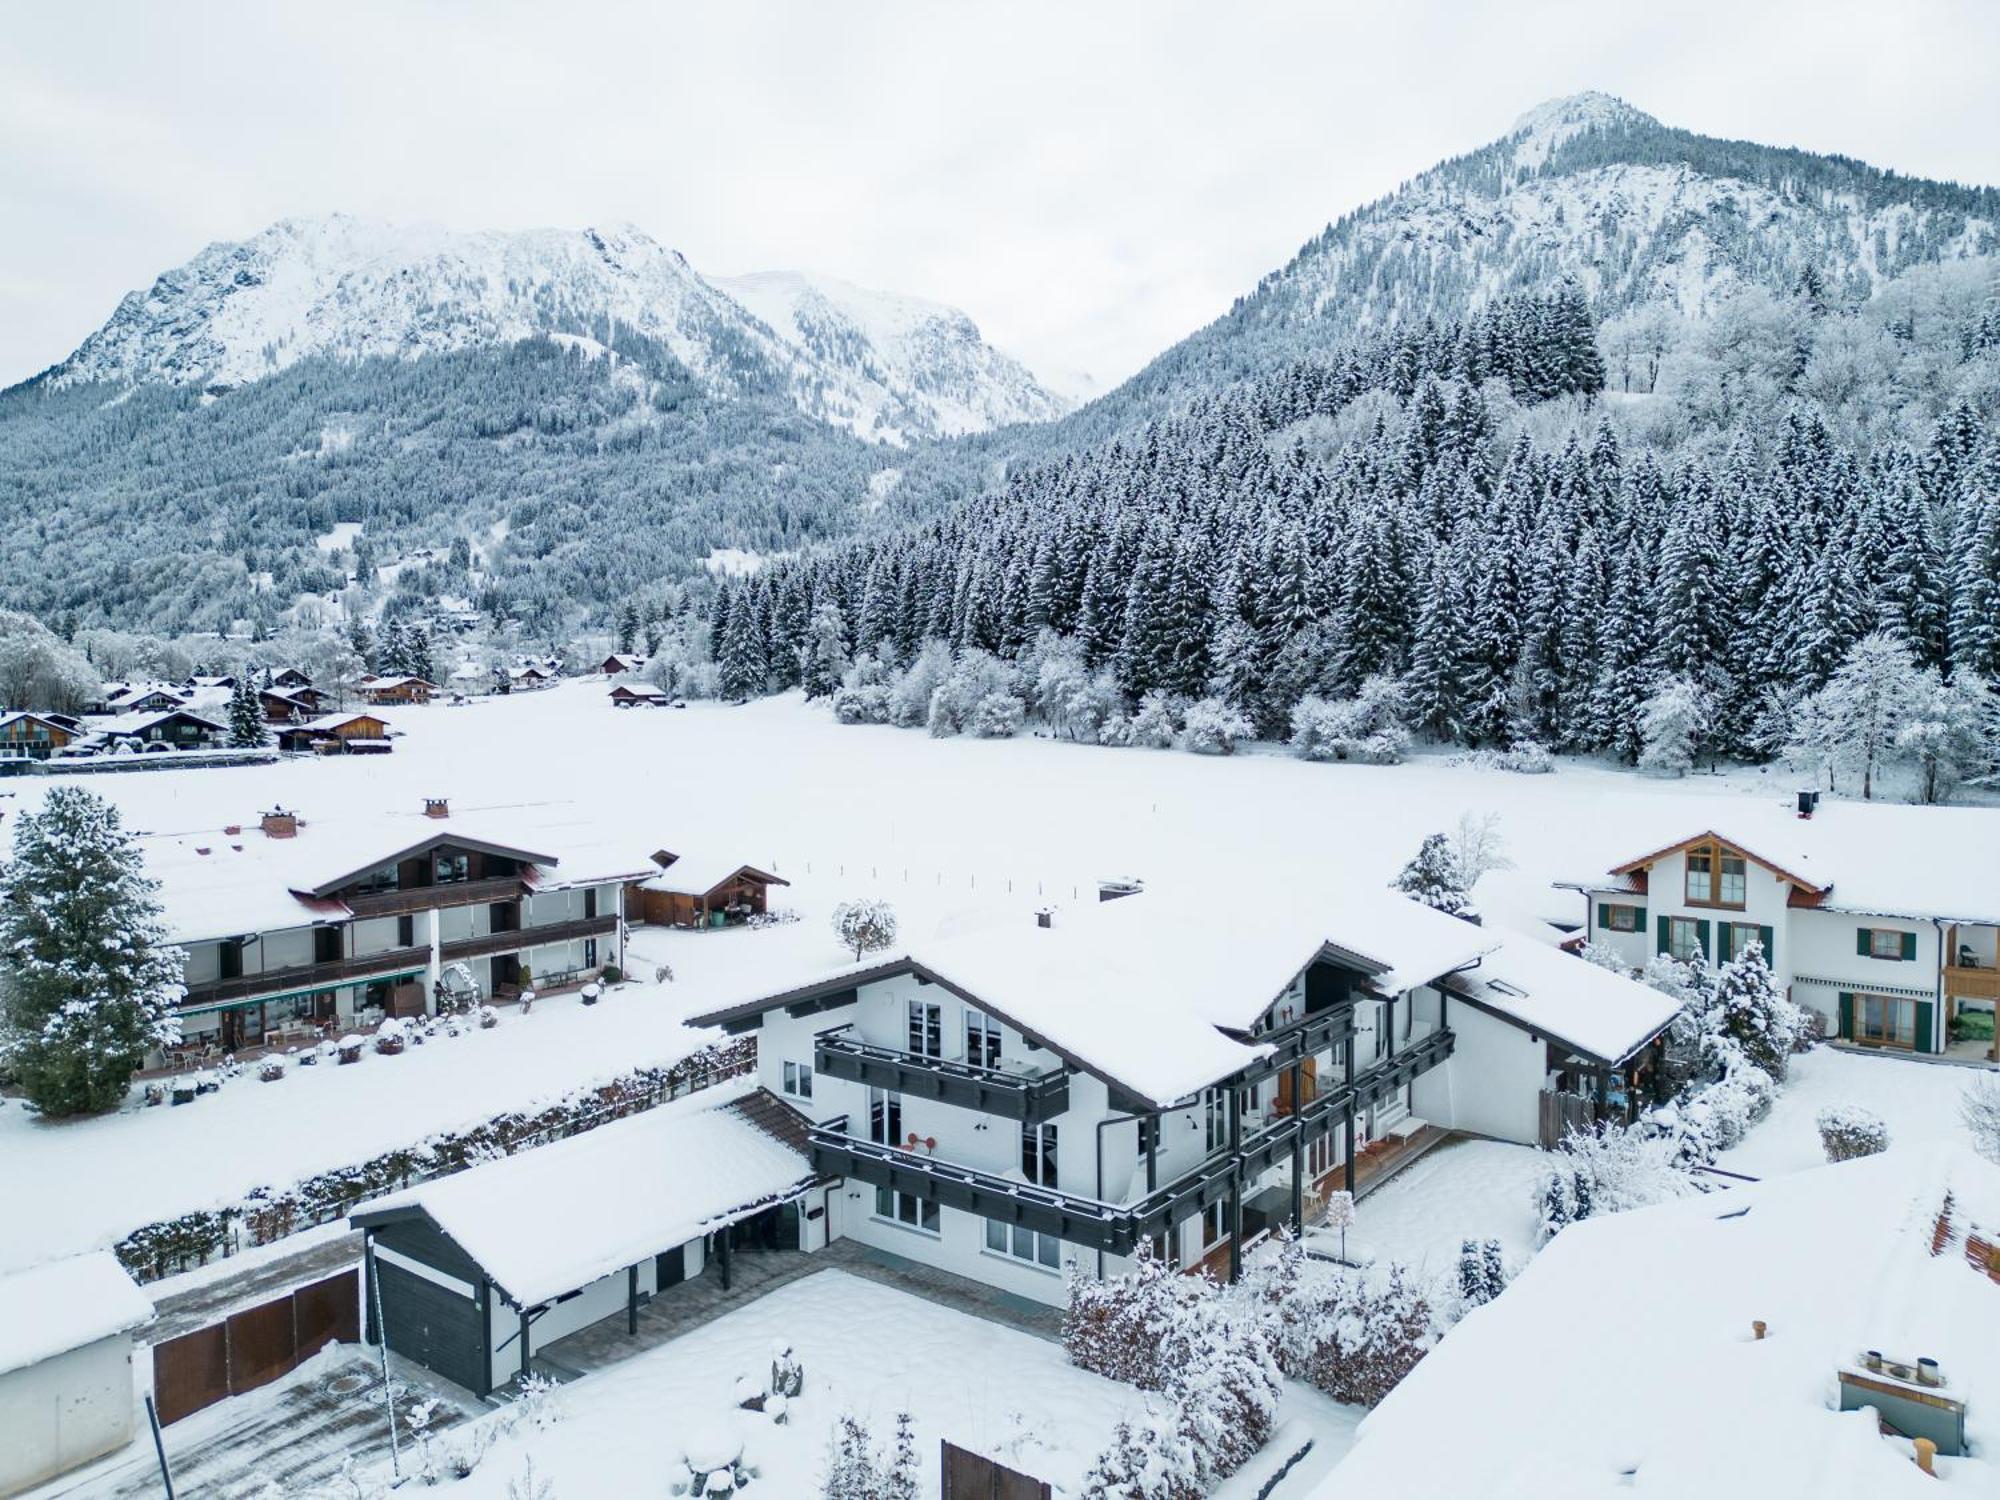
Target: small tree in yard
(1979, 1108)
(1749, 1008)
(1847, 1131)
(1672, 725)
(865, 926)
(1433, 878)
(1482, 1273)
(89, 981)
(247, 729)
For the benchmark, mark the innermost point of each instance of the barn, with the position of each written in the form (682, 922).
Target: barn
(477, 1273)
(66, 1393)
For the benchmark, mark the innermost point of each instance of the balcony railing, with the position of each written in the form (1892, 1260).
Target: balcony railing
(1117, 1228)
(1971, 982)
(322, 976)
(993, 1091)
(517, 938)
(424, 897)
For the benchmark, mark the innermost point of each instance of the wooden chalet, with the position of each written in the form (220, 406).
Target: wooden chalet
(622, 662)
(291, 705)
(383, 691)
(632, 692)
(34, 736)
(336, 734)
(176, 729)
(289, 678)
(693, 891)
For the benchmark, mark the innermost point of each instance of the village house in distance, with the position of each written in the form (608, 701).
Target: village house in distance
(1888, 936)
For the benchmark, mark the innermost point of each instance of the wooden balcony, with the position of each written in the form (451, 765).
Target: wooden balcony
(1965, 982)
(425, 897)
(992, 1091)
(517, 939)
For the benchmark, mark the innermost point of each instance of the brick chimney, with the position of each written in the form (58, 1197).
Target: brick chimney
(437, 807)
(279, 824)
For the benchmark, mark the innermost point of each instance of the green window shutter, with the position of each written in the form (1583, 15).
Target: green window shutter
(1847, 1015)
(1925, 1010)
(1639, 920)
(1770, 950)
(1603, 916)
(1701, 935)
(1861, 947)
(1725, 938)
(1666, 936)
(1909, 947)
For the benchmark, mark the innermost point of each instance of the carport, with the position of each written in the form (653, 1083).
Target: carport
(473, 1274)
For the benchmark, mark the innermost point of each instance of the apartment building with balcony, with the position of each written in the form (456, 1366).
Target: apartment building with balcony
(292, 924)
(1884, 920)
(1006, 1103)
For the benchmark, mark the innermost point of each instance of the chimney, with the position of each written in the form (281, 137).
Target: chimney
(1926, 1456)
(1758, 1329)
(1045, 916)
(279, 824)
(437, 807)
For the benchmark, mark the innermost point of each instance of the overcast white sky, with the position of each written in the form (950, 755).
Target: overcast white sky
(1090, 181)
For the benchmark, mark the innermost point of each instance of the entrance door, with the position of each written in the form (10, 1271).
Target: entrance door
(1308, 1086)
(506, 971)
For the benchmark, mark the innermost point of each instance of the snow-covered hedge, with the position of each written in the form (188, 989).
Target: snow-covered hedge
(1847, 1131)
(1368, 727)
(268, 1214)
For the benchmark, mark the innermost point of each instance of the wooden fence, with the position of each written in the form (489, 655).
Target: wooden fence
(254, 1347)
(1562, 1113)
(973, 1476)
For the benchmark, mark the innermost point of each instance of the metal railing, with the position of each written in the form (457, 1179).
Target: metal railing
(994, 1091)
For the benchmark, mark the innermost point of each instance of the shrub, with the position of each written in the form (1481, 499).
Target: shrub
(271, 1069)
(998, 716)
(1847, 1131)
(1212, 727)
(1979, 1108)
(1156, 721)
(1355, 1334)
(1367, 728)
(862, 705)
(866, 926)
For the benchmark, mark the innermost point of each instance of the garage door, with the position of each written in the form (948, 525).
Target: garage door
(434, 1325)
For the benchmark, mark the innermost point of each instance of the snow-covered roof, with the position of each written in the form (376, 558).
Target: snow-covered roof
(62, 1305)
(558, 1217)
(1875, 858)
(215, 884)
(123, 695)
(698, 874)
(328, 722)
(387, 684)
(1568, 999)
(626, 660)
(1622, 1359)
(1142, 989)
(125, 724)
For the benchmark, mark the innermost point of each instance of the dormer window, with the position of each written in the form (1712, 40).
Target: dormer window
(450, 869)
(1716, 876)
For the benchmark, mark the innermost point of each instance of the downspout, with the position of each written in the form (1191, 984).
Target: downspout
(1938, 1019)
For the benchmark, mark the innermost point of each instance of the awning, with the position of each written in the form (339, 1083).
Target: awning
(294, 994)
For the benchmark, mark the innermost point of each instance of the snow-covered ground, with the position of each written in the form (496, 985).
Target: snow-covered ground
(1918, 1101)
(866, 1349)
(1467, 1190)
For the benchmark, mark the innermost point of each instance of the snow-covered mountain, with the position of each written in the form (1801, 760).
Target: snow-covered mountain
(1588, 187)
(887, 368)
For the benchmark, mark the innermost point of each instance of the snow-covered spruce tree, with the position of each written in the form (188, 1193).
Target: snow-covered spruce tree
(852, 1471)
(746, 668)
(1672, 725)
(866, 926)
(88, 981)
(899, 1476)
(823, 659)
(1482, 1274)
(247, 729)
(1750, 1008)
(1433, 878)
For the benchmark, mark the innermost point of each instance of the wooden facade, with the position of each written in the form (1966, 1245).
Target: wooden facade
(355, 732)
(388, 690)
(33, 736)
(736, 897)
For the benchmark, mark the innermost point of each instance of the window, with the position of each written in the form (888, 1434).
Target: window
(926, 1029)
(1319, 1156)
(1214, 1225)
(1887, 942)
(1038, 1154)
(1024, 1244)
(885, 1117)
(406, 930)
(590, 953)
(907, 1209)
(1215, 1108)
(1621, 918)
(1742, 935)
(1148, 1134)
(799, 1080)
(449, 869)
(1716, 876)
(982, 1040)
(1684, 938)
(388, 878)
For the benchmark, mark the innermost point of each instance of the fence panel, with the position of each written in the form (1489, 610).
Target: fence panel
(190, 1372)
(329, 1309)
(973, 1476)
(263, 1345)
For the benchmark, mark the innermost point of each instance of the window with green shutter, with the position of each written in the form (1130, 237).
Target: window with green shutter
(1886, 942)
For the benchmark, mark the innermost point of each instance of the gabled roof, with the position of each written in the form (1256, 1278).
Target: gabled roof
(327, 722)
(1598, 1015)
(560, 1216)
(444, 835)
(139, 723)
(1152, 992)
(1710, 836)
(384, 684)
(636, 689)
(700, 874)
(35, 718)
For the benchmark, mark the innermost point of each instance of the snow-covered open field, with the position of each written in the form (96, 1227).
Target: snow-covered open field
(955, 832)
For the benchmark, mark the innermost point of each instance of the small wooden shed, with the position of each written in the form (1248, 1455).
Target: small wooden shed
(698, 891)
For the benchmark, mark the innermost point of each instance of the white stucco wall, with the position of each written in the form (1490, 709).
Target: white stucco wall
(64, 1412)
(1492, 1082)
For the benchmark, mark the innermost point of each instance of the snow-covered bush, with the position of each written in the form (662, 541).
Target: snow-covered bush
(910, 697)
(1672, 726)
(1608, 1169)
(997, 716)
(1368, 727)
(271, 1069)
(1979, 1108)
(537, 1403)
(1482, 1273)
(1432, 877)
(855, 1470)
(956, 702)
(1847, 1131)
(1354, 1334)
(1211, 727)
(862, 705)
(391, 1035)
(1527, 758)
(866, 926)
(788, 1376)
(1156, 722)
